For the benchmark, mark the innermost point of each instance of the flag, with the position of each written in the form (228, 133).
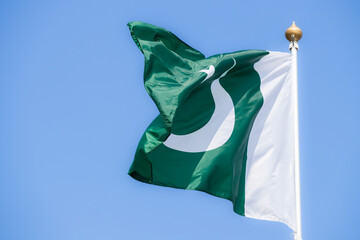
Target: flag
(225, 124)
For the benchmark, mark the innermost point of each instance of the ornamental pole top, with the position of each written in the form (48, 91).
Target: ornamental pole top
(293, 33)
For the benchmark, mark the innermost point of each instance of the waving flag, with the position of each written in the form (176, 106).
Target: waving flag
(225, 124)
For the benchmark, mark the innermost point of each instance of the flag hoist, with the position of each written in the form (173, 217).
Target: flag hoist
(294, 34)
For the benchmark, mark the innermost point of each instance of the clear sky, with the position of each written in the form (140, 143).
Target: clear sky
(73, 108)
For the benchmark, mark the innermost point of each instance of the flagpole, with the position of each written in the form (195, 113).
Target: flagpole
(294, 34)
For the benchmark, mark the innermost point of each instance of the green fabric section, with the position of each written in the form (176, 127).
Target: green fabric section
(172, 79)
(169, 66)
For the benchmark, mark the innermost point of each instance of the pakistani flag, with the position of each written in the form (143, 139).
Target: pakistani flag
(225, 125)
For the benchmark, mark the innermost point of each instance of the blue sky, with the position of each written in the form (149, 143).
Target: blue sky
(73, 108)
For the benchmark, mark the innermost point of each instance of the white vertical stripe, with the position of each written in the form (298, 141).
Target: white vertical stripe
(269, 185)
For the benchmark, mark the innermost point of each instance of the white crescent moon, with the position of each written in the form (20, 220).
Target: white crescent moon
(218, 130)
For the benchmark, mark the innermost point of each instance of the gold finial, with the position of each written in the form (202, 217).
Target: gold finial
(293, 33)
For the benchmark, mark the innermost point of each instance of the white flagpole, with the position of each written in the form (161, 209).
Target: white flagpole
(294, 34)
